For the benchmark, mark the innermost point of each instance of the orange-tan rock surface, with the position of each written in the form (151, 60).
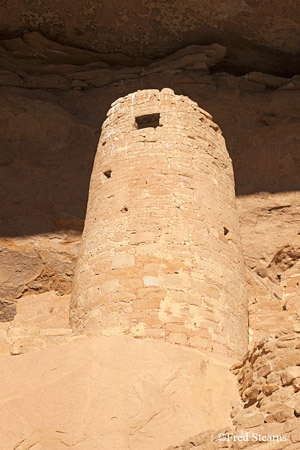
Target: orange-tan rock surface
(111, 393)
(59, 124)
(269, 381)
(69, 389)
(36, 264)
(62, 66)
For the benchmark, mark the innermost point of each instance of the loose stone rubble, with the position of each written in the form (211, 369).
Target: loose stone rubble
(269, 384)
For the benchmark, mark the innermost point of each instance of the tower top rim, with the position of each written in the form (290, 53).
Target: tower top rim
(148, 95)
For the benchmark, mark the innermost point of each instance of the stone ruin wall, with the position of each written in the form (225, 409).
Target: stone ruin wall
(269, 381)
(161, 255)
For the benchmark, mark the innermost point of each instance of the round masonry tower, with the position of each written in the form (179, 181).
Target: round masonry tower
(161, 255)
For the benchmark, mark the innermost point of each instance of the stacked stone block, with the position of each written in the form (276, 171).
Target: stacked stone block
(269, 416)
(161, 255)
(269, 378)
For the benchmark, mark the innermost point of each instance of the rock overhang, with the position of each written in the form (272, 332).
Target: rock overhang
(261, 36)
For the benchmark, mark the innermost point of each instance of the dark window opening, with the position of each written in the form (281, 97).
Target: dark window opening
(107, 173)
(125, 209)
(225, 230)
(147, 121)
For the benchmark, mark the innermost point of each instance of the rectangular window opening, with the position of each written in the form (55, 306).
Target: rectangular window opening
(147, 121)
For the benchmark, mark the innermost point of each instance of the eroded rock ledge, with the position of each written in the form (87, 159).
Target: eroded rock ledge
(260, 35)
(35, 62)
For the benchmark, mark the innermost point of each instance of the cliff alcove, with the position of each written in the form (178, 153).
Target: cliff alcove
(62, 66)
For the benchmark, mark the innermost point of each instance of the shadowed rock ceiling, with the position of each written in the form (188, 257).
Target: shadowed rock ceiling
(259, 35)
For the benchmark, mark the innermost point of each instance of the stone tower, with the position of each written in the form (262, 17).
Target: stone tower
(161, 255)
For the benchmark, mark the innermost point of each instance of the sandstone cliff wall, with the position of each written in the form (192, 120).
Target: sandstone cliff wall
(51, 115)
(54, 99)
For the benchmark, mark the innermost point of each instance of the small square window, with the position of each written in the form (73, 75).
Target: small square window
(107, 173)
(147, 121)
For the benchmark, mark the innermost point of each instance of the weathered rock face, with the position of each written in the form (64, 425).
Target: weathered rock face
(102, 392)
(269, 381)
(36, 264)
(161, 254)
(260, 35)
(111, 393)
(62, 65)
(274, 296)
(51, 115)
